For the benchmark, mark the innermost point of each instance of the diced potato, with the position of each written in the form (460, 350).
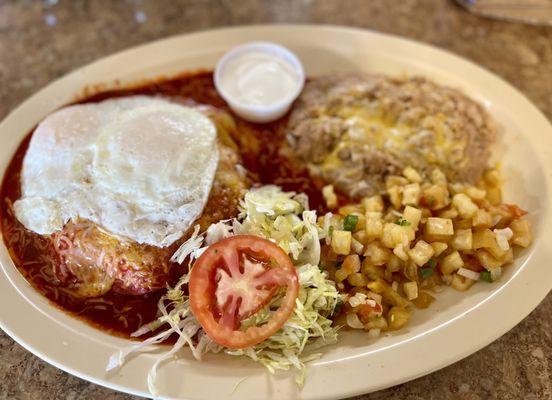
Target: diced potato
(487, 260)
(412, 215)
(412, 175)
(357, 246)
(421, 253)
(357, 279)
(522, 232)
(410, 290)
(450, 213)
(376, 323)
(495, 250)
(465, 206)
(494, 195)
(377, 253)
(341, 275)
(394, 234)
(374, 203)
(374, 224)
(475, 193)
(438, 248)
(400, 252)
(463, 239)
(451, 263)
(492, 178)
(439, 228)
(508, 257)
(395, 180)
(351, 264)
(423, 300)
(411, 194)
(394, 263)
(397, 317)
(390, 296)
(482, 219)
(483, 238)
(341, 242)
(461, 283)
(378, 286)
(436, 197)
(438, 177)
(361, 237)
(395, 196)
(329, 196)
(371, 271)
(350, 209)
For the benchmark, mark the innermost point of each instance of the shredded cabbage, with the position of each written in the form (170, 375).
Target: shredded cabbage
(283, 218)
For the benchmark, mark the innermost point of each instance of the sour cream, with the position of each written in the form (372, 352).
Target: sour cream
(259, 80)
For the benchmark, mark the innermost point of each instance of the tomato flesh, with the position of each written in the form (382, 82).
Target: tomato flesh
(235, 278)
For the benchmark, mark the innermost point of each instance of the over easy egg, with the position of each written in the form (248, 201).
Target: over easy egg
(139, 167)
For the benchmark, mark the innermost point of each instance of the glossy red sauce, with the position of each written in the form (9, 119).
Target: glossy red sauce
(261, 151)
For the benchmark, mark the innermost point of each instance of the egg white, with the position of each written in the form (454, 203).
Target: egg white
(139, 167)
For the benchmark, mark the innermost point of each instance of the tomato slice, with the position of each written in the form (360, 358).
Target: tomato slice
(235, 278)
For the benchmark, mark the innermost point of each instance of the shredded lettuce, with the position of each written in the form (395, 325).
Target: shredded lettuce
(284, 218)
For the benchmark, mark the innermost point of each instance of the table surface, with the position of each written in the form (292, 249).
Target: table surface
(42, 40)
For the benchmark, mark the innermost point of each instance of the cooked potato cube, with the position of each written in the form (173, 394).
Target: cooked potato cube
(378, 286)
(483, 238)
(451, 263)
(341, 275)
(421, 253)
(341, 242)
(376, 323)
(438, 177)
(411, 194)
(329, 196)
(494, 195)
(461, 283)
(374, 203)
(412, 215)
(361, 237)
(377, 253)
(350, 209)
(351, 264)
(475, 193)
(400, 252)
(439, 228)
(463, 239)
(394, 234)
(395, 196)
(522, 232)
(450, 212)
(395, 180)
(495, 250)
(492, 178)
(357, 279)
(410, 290)
(423, 300)
(390, 296)
(371, 271)
(394, 263)
(374, 225)
(465, 206)
(438, 248)
(357, 246)
(436, 197)
(412, 175)
(482, 219)
(487, 260)
(397, 317)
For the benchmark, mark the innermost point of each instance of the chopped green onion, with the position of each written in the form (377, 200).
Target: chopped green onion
(432, 263)
(350, 222)
(402, 222)
(426, 272)
(486, 276)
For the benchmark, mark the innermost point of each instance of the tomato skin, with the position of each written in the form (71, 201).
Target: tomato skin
(203, 286)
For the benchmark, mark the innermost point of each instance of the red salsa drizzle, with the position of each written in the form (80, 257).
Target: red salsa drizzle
(264, 157)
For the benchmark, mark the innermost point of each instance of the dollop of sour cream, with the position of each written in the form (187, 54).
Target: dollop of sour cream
(259, 78)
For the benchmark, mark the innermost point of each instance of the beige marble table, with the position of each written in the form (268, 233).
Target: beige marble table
(42, 40)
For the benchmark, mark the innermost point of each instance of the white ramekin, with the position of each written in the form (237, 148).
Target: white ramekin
(254, 112)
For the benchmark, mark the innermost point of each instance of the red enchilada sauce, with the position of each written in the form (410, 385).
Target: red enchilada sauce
(260, 148)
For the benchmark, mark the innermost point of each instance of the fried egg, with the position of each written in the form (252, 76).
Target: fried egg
(139, 167)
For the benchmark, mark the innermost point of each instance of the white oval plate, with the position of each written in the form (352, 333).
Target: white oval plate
(457, 325)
